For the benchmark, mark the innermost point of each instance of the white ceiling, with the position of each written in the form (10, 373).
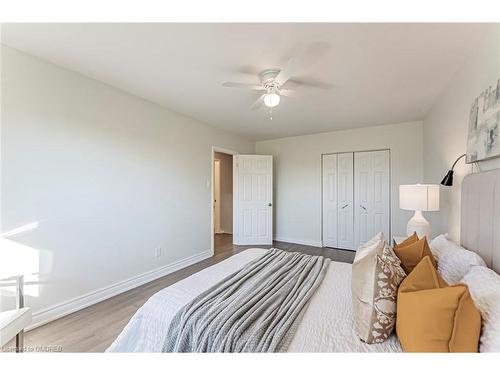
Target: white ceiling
(379, 73)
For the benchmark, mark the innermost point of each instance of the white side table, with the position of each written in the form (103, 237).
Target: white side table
(13, 322)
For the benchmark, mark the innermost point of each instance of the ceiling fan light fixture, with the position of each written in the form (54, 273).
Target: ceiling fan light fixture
(271, 99)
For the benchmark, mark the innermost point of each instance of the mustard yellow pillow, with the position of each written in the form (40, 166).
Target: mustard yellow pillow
(412, 254)
(435, 317)
(412, 239)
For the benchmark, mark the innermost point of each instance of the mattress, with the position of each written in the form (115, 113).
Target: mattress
(326, 325)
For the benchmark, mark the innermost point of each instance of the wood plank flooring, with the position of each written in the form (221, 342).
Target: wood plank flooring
(93, 329)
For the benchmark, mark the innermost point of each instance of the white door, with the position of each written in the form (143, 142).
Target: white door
(345, 201)
(330, 205)
(253, 199)
(371, 195)
(217, 196)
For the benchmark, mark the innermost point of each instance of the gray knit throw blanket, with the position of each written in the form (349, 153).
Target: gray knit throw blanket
(256, 309)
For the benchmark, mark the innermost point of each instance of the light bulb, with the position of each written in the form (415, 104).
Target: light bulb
(271, 100)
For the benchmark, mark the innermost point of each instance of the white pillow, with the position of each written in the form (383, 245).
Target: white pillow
(440, 245)
(484, 288)
(454, 262)
(367, 247)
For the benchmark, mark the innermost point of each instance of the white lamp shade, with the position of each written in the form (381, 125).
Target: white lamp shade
(419, 197)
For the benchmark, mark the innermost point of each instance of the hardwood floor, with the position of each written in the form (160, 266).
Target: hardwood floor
(93, 329)
(224, 245)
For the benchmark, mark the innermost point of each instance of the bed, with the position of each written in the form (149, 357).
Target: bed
(327, 322)
(326, 325)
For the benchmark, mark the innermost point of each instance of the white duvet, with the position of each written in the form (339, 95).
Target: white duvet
(325, 327)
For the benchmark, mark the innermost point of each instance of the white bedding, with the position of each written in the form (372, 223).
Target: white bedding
(325, 327)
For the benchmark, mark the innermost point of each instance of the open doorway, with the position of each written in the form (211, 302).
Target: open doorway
(222, 201)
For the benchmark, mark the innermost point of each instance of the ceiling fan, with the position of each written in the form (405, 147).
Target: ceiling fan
(272, 80)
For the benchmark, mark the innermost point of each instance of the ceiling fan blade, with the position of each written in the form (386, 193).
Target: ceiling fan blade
(307, 56)
(258, 103)
(246, 69)
(309, 82)
(239, 85)
(290, 68)
(286, 92)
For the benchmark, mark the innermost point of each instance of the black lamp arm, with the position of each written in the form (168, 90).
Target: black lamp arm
(456, 161)
(448, 179)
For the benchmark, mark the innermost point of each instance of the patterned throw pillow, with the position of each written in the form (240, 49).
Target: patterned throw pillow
(389, 275)
(376, 275)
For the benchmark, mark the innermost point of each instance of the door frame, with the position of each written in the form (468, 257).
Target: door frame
(216, 182)
(211, 185)
(390, 187)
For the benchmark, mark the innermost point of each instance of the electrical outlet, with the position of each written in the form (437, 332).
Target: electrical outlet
(158, 252)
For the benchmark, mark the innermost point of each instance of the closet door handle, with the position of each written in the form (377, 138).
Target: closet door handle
(344, 206)
(363, 207)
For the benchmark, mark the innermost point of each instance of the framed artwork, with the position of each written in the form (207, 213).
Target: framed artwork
(483, 140)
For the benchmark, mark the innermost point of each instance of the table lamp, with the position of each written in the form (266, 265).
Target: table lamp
(419, 198)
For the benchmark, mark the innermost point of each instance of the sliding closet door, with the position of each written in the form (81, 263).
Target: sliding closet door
(345, 201)
(381, 193)
(329, 164)
(371, 195)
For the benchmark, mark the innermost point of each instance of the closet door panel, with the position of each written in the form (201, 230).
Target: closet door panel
(371, 195)
(381, 192)
(363, 195)
(345, 207)
(329, 165)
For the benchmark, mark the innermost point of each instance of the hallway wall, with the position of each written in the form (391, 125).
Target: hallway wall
(226, 191)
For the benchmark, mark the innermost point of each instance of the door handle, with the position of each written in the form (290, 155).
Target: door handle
(270, 204)
(363, 207)
(344, 206)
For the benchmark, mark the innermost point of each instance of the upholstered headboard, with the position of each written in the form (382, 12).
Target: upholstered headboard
(480, 218)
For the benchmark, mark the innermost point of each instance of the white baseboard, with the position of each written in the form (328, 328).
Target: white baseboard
(58, 311)
(300, 242)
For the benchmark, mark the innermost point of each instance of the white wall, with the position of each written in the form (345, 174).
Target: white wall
(297, 174)
(445, 129)
(226, 191)
(108, 176)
